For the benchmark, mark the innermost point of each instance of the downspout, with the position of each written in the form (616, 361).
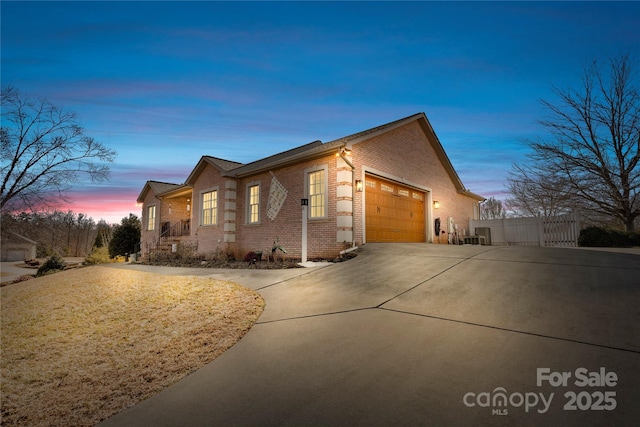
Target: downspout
(347, 161)
(346, 251)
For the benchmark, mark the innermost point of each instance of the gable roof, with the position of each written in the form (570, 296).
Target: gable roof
(276, 159)
(11, 237)
(220, 164)
(424, 123)
(318, 149)
(157, 187)
(310, 151)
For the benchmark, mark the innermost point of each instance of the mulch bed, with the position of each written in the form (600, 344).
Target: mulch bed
(167, 260)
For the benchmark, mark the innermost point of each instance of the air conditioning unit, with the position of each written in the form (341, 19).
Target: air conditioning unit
(486, 233)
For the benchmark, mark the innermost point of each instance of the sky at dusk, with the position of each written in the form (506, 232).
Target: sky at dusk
(164, 83)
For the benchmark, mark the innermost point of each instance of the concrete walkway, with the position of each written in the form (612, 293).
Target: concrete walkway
(416, 334)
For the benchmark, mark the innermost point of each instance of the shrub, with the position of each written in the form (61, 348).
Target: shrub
(186, 250)
(593, 236)
(602, 237)
(250, 257)
(99, 255)
(22, 279)
(222, 255)
(126, 237)
(51, 265)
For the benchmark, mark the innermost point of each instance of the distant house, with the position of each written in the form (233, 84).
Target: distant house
(386, 184)
(16, 247)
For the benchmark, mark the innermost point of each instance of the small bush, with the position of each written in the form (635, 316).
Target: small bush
(222, 255)
(602, 237)
(251, 256)
(51, 265)
(22, 279)
(187, 250)
(98, 256)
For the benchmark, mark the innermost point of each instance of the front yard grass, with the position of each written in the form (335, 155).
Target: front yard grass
(81, 345)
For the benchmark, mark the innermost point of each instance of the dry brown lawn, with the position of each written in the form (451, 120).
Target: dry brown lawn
(81, 345)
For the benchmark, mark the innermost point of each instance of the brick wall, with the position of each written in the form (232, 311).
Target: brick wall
(209, 237)
(171, 210)
(287, 225)
(149, 236)
(404, 154)
(234, 232)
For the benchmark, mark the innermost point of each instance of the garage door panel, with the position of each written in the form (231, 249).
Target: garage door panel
(394, 213)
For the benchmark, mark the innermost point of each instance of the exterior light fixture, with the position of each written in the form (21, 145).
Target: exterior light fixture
(436, 204)
(188, 205)
(359, 185)
(170, 209)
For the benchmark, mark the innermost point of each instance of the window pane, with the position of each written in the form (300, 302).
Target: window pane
(209, 208)
(254, 204)
(151, 218)
(317, 194)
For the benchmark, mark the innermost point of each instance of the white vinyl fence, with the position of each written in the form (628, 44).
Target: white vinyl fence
(559, 231)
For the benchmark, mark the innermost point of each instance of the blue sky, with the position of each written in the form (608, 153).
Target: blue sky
(164, 83)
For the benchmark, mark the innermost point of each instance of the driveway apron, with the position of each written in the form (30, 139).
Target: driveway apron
(418, 334)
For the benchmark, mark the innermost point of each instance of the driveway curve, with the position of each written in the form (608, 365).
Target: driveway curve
(419, 334)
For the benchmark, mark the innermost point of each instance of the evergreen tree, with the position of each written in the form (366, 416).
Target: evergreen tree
(98, 243)
(126, 237)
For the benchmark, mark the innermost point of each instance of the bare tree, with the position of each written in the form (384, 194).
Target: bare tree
(56, 232)
(492, 208)
(537, 192)
(595, 146)
(43, 151)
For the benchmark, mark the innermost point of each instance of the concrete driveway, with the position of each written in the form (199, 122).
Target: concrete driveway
(11, 270)
(417, 334)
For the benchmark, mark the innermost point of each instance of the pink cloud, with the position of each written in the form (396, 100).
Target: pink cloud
(108, 203)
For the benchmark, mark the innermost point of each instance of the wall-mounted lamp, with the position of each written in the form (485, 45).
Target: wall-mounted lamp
(345, 152)
(436, 204)
(359, 185)
(188, 205)
(170, 209)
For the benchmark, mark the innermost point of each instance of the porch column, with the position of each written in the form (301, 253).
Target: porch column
(230, 196)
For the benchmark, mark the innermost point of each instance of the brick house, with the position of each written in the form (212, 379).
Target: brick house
(386, 184)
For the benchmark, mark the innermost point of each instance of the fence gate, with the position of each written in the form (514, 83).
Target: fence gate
(557, 231)
(562, 231)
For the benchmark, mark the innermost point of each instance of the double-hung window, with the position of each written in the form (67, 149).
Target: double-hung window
(209, 205)
(151, 218)
(317, 190)
(253, 204)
